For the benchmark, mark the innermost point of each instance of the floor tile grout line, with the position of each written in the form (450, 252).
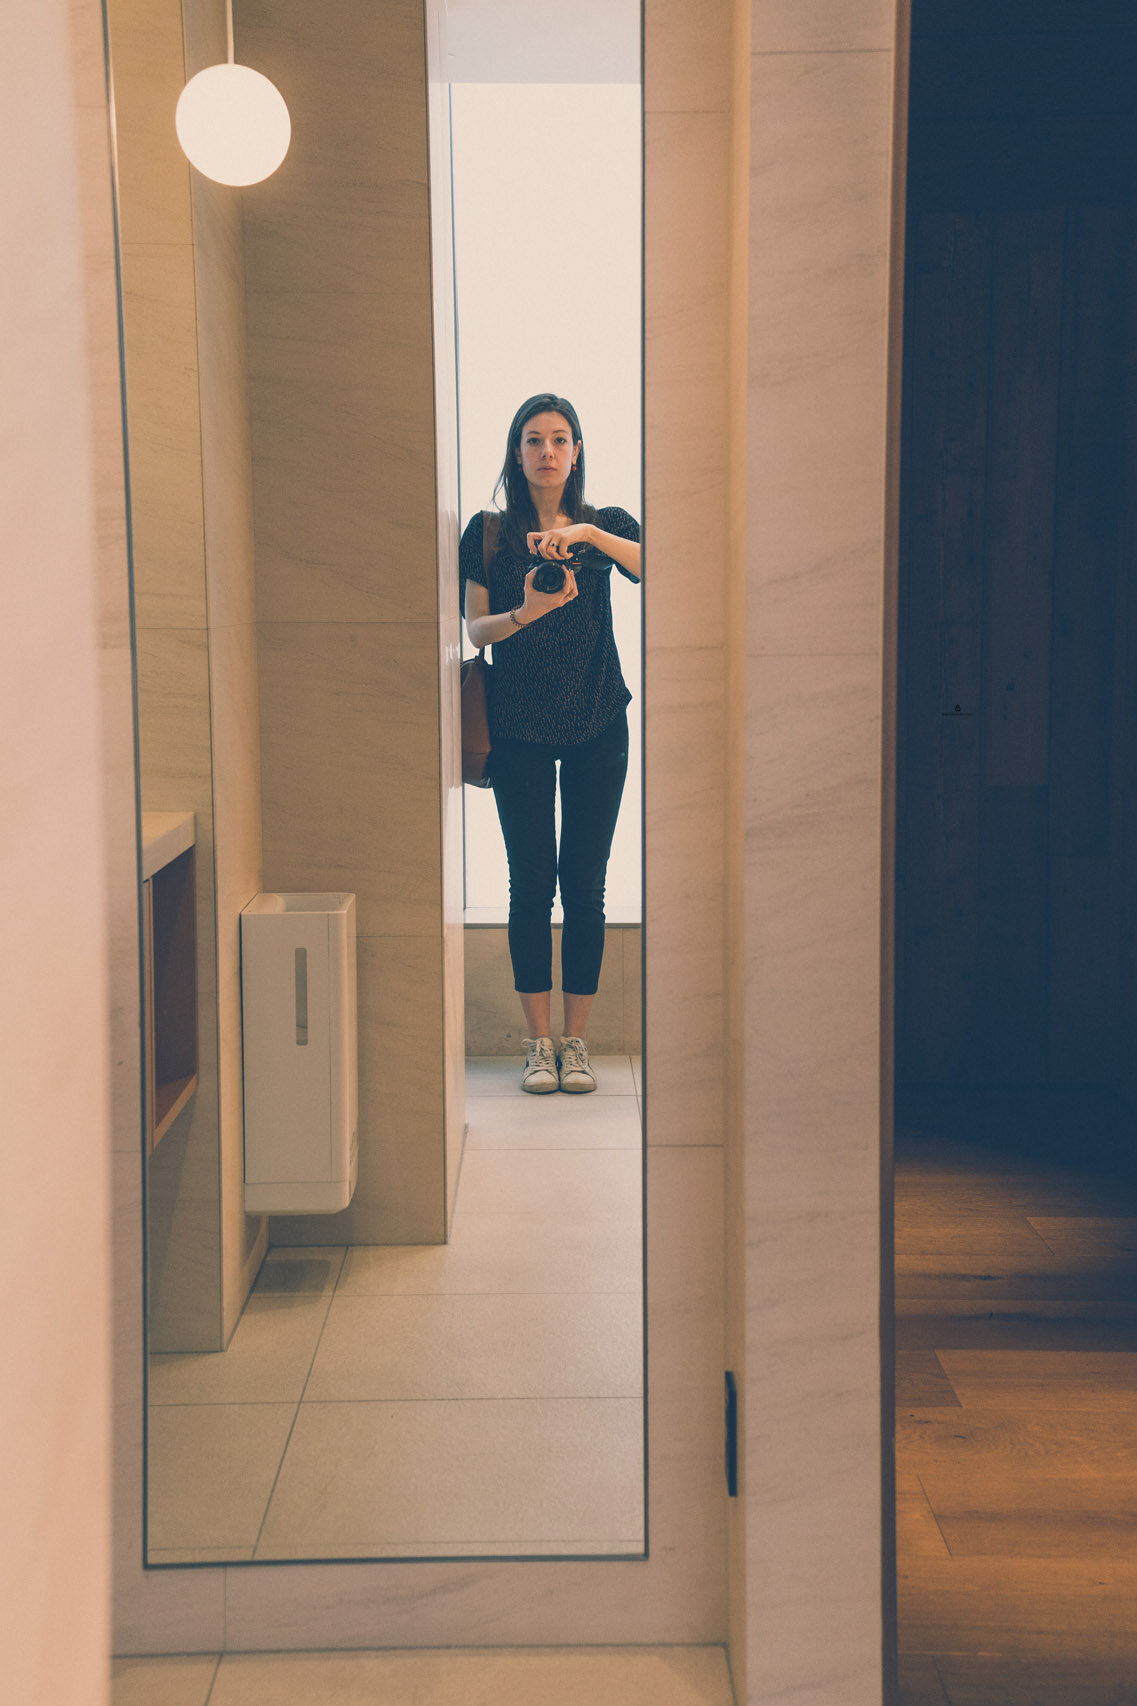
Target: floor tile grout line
(606, 1291)
(175, 1403)
(518, 1546)
(226, 1404)
(496, 1551)
(500, 1398)
(299, 1401)
(619, 1291)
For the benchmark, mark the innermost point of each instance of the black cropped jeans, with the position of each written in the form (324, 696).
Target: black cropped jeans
(524, 776)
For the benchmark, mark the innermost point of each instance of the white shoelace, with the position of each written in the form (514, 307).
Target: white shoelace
(574, 1055)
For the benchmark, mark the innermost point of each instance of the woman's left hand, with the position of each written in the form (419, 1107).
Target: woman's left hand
(557, 542)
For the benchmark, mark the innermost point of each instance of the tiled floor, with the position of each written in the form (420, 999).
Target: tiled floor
(480, 1397)
(543, 1676)
(1016, 1340)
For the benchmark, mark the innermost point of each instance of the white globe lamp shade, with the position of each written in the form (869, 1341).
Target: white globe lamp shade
(233, 124)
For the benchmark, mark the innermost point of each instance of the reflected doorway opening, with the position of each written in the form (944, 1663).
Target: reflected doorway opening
(547, 218)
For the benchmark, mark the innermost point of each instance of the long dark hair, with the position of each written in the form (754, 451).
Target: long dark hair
(519, 516)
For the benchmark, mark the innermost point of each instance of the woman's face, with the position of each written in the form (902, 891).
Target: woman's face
(547, 452)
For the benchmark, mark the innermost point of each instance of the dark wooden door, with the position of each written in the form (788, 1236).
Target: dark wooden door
(1014, 865)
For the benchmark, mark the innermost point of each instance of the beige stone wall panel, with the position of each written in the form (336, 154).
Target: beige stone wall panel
(493, 1023)
(811, 886)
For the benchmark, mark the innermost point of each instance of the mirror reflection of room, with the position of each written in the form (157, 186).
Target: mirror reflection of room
(395, 1296)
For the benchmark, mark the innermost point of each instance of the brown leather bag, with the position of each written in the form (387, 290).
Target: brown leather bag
(476, 673)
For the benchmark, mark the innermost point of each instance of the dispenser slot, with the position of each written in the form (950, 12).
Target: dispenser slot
(302, 996)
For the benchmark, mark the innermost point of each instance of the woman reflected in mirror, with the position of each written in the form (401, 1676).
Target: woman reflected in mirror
(558, 699)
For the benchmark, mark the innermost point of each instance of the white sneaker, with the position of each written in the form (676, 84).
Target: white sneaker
(539, 1074)
(575, 1071)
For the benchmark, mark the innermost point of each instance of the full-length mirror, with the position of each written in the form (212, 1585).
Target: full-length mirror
(383, 411)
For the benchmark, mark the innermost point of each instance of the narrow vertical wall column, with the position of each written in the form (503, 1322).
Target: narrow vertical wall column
(820, 259)
(449, 619)
(342, 401)
(57, 859)
(231, 635)
(170, 618)
(686, 356)
(191, 523)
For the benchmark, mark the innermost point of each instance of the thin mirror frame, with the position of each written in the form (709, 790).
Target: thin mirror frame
(424, 1557)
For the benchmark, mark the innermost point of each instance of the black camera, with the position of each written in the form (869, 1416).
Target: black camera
(550, 577)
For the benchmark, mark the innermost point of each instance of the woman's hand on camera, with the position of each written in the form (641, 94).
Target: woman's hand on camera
(557, 543)
(540, 603)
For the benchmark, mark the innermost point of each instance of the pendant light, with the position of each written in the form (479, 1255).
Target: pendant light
(232, 122)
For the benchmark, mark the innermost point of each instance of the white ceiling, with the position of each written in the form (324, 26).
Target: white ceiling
(544, 41)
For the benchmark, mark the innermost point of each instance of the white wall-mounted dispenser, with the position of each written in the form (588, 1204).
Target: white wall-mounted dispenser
(298, 1025)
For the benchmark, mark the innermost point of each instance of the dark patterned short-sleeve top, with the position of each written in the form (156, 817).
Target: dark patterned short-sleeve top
(557, 681)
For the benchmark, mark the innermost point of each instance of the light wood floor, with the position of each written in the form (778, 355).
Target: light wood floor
(1016, 1333)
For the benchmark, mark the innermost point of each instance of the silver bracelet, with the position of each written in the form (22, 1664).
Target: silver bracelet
(515, 619)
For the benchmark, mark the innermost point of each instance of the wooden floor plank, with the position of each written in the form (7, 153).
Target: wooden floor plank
(920, 1683)
(1041, 1610)
(947, 1199)
(983, 1679)
(974, 1175)
(995, 1281)
(918, 1532)
(1016, 1471)
(1043, 1533)
(931, 1244)
(920, 1380)
(1043, 1380)
(1081, 1240)
(1074, 1137)
(1101, 1444)
(1009, 1325)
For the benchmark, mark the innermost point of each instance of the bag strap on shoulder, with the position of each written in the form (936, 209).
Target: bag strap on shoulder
(491, 533)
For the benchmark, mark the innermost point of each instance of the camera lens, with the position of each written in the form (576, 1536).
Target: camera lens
(550, 577)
